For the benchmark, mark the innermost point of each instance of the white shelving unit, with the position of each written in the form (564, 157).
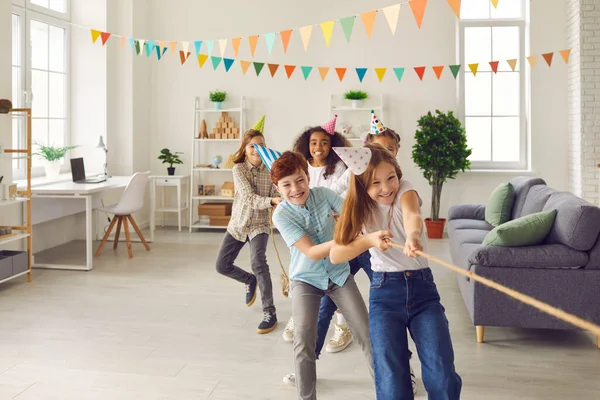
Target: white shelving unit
(198, 175)
(335, 107)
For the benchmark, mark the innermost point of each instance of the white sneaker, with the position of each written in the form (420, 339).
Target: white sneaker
(340, 340)
(290, 379)
(288, 332)
(413, 380)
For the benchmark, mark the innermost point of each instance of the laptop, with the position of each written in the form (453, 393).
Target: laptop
(78, 172)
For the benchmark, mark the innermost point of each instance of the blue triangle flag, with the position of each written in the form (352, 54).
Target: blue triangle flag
(228, 63)
(198, 44)
(361, 73)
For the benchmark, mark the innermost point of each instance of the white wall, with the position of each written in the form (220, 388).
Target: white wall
(292, 105)
(5, 81)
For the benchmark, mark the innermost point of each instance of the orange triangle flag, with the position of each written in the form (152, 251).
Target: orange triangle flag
(418, 9)
(323, 71)
(273, 69)
(161, 44)
(455, 5)
(380, 73)
(532, 61)
(253, 40)
(105, 36)
(289, 70)
(235, 43)
(183, 56)
(123, 39)
(285, 39)
(565, 55)
(420, 71)
(95, 35)
(341, 72)
(438, 71)
(512, 63)
(494, 65)
(172, 47)
(368, 19)
(548, 58)
(473, 68)
(202, 59)
(495, 3)
(245, 66)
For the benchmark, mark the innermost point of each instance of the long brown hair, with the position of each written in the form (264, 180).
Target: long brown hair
(359, 206)
(240, 154)
(302, 146)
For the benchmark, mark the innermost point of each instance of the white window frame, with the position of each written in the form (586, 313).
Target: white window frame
(524, 163)
(47, 11)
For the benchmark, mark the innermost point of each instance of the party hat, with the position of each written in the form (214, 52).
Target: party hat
(267, 155)
(329, 127)
(356, 158)
(377, 126)
(260, 125)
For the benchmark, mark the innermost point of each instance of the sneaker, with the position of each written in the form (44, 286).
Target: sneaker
(268, 323)
(290, 379)
(288, 332)
(251, 291)
(413, 380)
(340, 340)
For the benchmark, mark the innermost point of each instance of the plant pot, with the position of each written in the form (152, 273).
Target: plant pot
(171, 170)
(52, 169)
(435, 229)
(218, 105)
(357, 103)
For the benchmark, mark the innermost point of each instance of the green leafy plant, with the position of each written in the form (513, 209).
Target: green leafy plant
(51, 153)
(440, 152)
(170, 158)
(355, 95)
(218, 96)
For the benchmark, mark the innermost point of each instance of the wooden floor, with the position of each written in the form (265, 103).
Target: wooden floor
(165, 325)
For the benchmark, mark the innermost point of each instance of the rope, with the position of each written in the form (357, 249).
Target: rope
(548, 309)
(284, 278)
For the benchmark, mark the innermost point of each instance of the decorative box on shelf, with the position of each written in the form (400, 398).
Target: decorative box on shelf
(227, 189)
(215, 209)
(220, 221)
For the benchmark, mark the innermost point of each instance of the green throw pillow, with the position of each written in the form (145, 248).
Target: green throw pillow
(499, 206)
(529, 230)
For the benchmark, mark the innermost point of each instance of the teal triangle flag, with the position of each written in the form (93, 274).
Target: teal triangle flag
(149, 47)
(361, 73)
(258, 66)
(399, 73)
(347, 25)
(454, 69)
(131, 43)
(164, 50)
(228, 63)
(215, 61)
(270, 39)
(306, 72)
(209, 45)
(198, 44)
(158, 55)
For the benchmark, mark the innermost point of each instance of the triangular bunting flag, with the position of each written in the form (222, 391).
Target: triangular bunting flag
(123, 40)
(210, 44)
(215, 61)
(306, 72)
(137, 47)
(512, 63)
(158, 55)
(327, 28)
(258, 66)
(455, 69)
(285, 39)
(380, 73)
(340, 73)
(161, 44)
(438, 71)
(202, 59)
(104, 36)
(149, 47)
(222, 46)
(270, 40)
(323, 72)
(185, 46)
(361, 73)
(532, 61)
(305, 32)
(418, 9)
(95, 35)
(235, 43)
(348, 25)
(164, 50)
(198, 45)
(172, 47)
(494, 65)
(399, 73)
(368, 19)
(245, 65)
(473, 68)
(142, 42)
(548, 57)
(289, 70)
(131, 43)
(420, 72)
(252, 41)
(273, 69)
(228, 62)
(455, 5)
(495, 3)
(183, 56)
(391, 15)
(565, 55)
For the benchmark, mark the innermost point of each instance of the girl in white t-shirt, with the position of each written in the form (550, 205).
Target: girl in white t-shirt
(379, 206)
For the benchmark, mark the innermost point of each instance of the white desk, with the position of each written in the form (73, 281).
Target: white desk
(89, 194)
(177, 181)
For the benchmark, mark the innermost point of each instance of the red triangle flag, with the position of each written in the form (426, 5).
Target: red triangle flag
(494, 65)
(104, 36)
(273, 69)
(548, 58)
(420, 71)
(341, 72)
(289, 70)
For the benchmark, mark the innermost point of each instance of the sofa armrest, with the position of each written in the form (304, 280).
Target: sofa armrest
(543, 256)
(467, 211)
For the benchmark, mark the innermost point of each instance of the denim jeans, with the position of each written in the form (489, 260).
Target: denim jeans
(409, 299)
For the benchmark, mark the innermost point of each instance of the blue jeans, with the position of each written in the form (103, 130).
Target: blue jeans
(409, 299)
(327, 307)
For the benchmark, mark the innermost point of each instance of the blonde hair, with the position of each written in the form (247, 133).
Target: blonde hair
(240, 154)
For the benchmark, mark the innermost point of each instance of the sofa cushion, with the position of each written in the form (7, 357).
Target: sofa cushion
(536, 199)
(529, 230)
(475, 236)
(577, 222)
(499, 206)
(522, 184)
(469, 224)
(467, 211)
(544, 256)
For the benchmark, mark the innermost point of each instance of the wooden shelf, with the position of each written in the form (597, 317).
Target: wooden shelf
(212, 198)
(18, 200)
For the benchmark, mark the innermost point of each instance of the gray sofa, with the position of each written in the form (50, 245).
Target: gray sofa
(564, 271)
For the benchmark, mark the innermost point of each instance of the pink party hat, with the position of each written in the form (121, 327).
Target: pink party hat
(356, 158)
(377, 126)
(329, 127)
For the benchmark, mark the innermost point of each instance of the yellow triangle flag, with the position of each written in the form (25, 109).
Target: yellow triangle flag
(202, 59)
(327, 28)
(380, 73)
(565, 55)
(323, 71)
(532, 61)
(391, 15)
(512, 63)
(455, 5)
(368, 19)
(222, 46)
(245, 65)
(305, 32)
(495, 3)
(473, 68)
(95, 35)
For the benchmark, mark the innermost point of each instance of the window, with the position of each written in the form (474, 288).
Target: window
(18, 85)
(494, 105)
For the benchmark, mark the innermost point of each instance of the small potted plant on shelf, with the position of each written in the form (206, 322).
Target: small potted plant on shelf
(357, 97)
(217, 97)
(52, 156)
(440, 152)
(170, 158)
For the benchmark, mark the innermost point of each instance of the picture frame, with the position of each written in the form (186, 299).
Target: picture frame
(209, 190)
(200, 190)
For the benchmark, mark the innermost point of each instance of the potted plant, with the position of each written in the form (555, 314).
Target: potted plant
(440, 152)
(52, 156)
(170, 158)
(217, 97)
(357, 97)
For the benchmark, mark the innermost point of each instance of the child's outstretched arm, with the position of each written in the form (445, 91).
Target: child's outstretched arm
(313, 251)
(413, 222)
(341, 253)
(244, 190)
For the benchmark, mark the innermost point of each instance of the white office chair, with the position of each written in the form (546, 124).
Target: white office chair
(131, 201)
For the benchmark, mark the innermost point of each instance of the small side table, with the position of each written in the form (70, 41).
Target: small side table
(178, 181)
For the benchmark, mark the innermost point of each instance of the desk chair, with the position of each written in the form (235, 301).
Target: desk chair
(131, 201)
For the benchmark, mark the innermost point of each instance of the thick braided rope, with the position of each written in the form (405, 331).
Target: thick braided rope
(548, 309)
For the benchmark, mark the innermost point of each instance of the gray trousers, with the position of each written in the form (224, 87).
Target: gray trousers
(305, 311)
(230, 248)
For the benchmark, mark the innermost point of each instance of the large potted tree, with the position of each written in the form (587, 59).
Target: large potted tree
(440, 152)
